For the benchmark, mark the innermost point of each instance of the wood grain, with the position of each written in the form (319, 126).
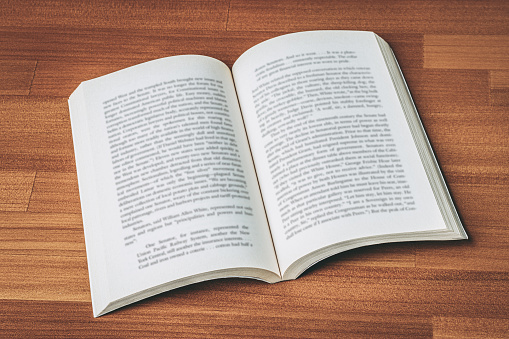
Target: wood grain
(35, 134)
(466, 52)
(55, 192)
(147, 15)
(15, 190)
(454, 57)
(455, 327)
(499, 79)
(17, 76)
(430, 17)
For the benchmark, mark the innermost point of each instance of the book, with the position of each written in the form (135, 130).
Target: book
(309, 146)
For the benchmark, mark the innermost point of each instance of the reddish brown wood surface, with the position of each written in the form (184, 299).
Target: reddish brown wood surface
(454, 55)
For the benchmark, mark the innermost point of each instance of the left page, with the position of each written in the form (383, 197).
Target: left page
(168, 190)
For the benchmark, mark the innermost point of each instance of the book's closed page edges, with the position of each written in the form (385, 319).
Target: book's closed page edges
(97, 271)
(423, 145)
(246, 272)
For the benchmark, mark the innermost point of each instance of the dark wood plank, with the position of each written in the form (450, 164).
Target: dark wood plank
(346, 300)
(198, 320)
(186, 15)
(400, 16)
(500, 97)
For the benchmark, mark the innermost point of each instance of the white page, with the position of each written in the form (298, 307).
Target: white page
(152, 212)
(326, 129)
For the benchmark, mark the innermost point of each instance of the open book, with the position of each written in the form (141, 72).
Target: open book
(190, 171)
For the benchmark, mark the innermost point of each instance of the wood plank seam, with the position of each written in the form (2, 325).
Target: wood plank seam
(32, 82)
(33, 185)
(228, 15)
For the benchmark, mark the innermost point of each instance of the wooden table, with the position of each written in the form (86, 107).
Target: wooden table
(455, 56)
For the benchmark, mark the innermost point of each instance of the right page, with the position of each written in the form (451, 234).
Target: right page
(340, 153)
